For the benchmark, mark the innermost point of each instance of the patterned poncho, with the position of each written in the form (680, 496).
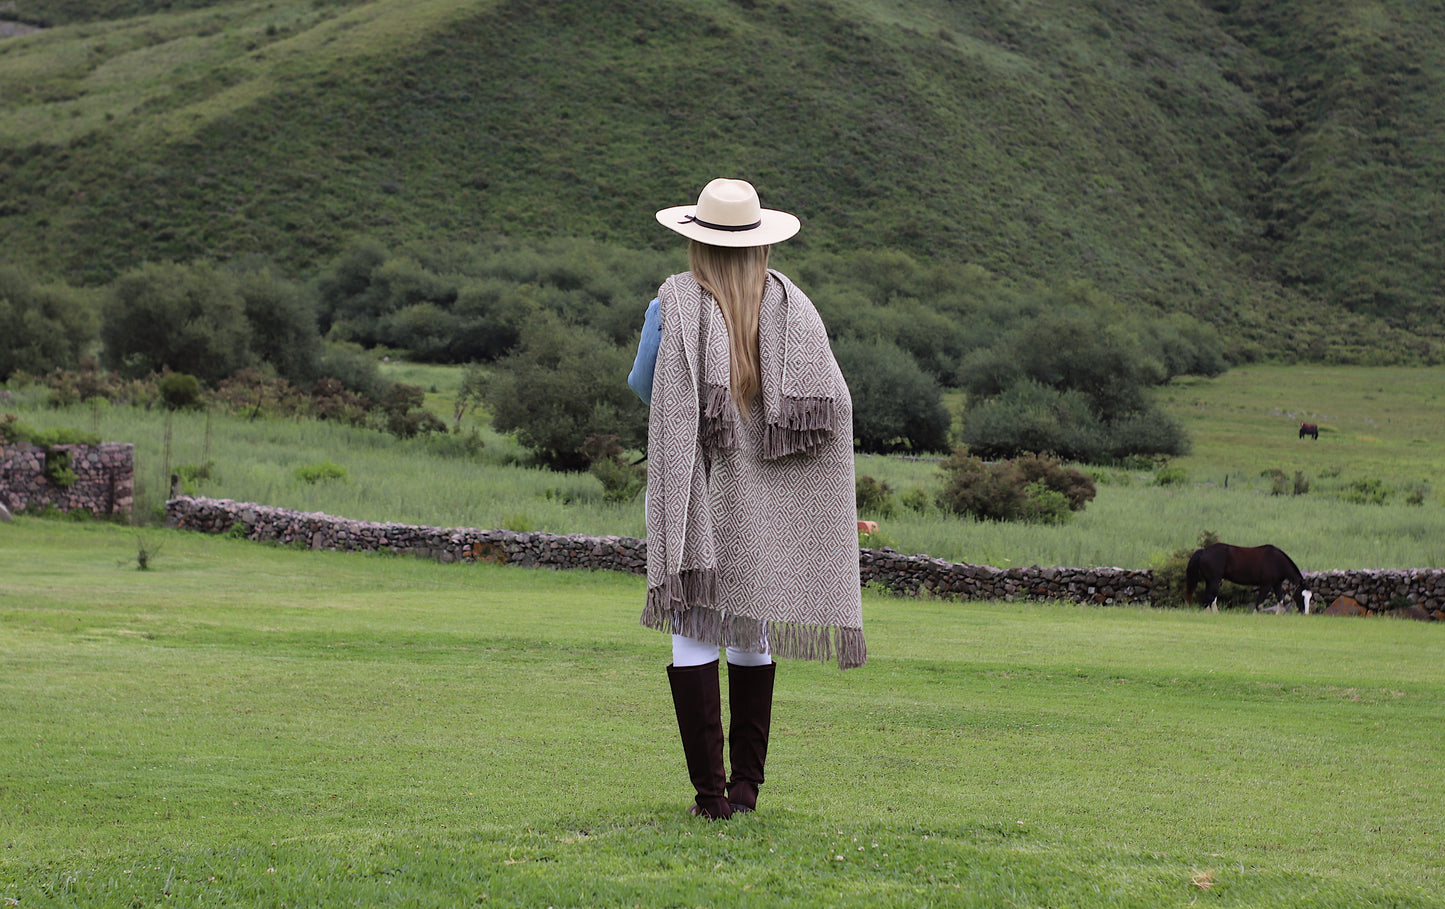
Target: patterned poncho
(751, 524)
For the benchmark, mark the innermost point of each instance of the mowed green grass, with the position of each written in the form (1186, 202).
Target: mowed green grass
(254, 725)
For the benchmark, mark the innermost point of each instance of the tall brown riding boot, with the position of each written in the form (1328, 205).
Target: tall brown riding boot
(750, 700)
(697, 698)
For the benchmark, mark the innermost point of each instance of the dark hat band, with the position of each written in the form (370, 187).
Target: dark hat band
(711, 226)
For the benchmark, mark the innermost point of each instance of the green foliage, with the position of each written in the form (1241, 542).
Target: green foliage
(896, 405)
(185, 318)
(353, 369)
(324, 471)
(621, 481)
(42, 327)
(917, 500)
(179, 391)
(874, 497)
(58, 468)
(1033, 488)
(13, 430)
(1171, 475)
(1367, 491)
(1029, 416)
(404, 414)
(194, 475)
(561, 386)
(283, 324)
(454, 304)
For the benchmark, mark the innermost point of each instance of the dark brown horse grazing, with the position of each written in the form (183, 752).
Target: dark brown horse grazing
(1309, 429)
(1265, 567)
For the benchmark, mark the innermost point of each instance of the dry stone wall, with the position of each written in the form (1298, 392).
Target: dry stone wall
(104, 478)
(904, 574)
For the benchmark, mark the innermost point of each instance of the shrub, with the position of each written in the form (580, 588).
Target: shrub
(621, 481)
(557, 389)
(179, 391)
(282, 320)
(186, 318)
(896, 405)
(917, 499)
(316, 473)
(42, 327)
(57, 467)
(1171, 475)
(1075, 486)
(1367, 491)
(1034, 488)
(193, 475)
(875, 497)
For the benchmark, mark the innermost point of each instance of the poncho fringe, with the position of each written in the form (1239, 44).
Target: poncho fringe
(782, 639)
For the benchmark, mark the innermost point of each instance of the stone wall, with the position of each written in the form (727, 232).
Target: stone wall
(104, 478)
(904, 574)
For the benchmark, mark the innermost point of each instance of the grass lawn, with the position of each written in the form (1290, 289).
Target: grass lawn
(254, 725)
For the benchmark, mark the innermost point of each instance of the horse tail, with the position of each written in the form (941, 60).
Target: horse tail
(1191, 577)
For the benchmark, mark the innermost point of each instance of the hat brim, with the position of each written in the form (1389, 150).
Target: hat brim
(775, 227)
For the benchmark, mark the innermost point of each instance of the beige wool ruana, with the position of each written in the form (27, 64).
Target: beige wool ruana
(751, 523)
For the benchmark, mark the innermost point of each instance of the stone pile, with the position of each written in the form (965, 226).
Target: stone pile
(914, 574)
(909, 575)
(104, 481)
(322, 531)
(1380, 589)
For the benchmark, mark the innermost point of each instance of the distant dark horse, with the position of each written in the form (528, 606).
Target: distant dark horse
(1309, 429)
(1265, 567)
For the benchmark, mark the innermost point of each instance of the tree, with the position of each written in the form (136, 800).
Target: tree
(1076, 382)
(561, 386)
(896, 405)
(186, 318)
(42, 327)
(282, 320)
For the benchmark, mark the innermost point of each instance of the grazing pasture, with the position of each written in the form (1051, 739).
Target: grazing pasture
(1381, 446)
(256, 725)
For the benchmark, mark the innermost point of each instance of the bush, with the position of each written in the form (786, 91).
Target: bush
(403, 414)
(1367, 491)
(560, 387)
(875, 498)
(1034, 488)
(42, 327)
(180, 391)
(621, 481)
(917, 500)
(1171, 475)
(282, 320)
(184, 318)
(312, 474)
(896, 405)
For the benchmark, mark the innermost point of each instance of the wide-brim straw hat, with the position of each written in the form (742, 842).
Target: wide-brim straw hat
(728, 213)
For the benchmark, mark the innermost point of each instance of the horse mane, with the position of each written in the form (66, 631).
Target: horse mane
(1292, 565)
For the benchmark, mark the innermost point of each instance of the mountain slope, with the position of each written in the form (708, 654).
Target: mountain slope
(1159, 151)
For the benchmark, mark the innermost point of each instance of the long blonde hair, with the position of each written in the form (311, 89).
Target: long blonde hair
(735, 277)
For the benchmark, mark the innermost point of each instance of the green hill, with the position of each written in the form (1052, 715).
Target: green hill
(1271, 168)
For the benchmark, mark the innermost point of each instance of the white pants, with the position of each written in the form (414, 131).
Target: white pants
(692, 652)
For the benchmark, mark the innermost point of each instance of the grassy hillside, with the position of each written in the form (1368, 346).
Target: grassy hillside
(1254, 167)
